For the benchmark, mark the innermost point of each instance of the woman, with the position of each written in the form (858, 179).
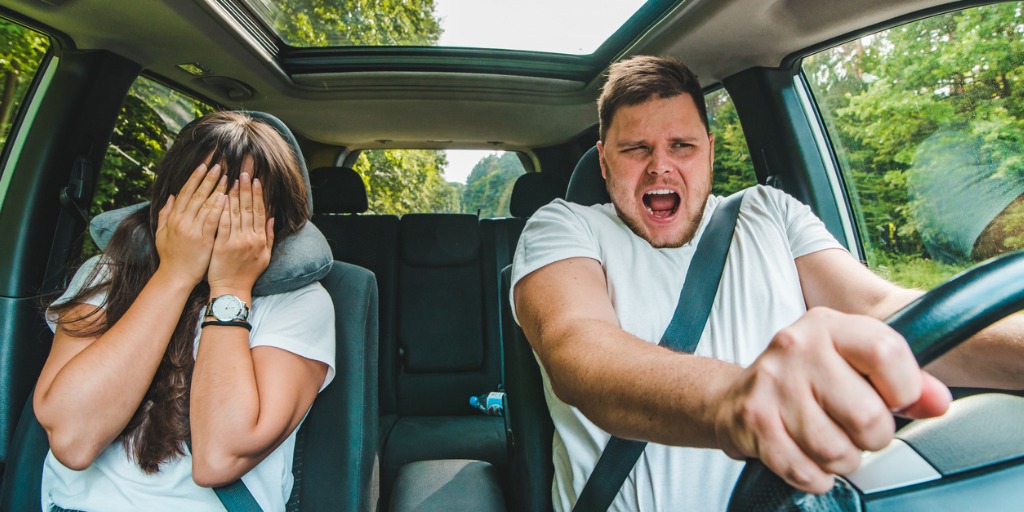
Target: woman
(154, 345)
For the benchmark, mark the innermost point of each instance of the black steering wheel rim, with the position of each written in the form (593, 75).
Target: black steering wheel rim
(933, 324)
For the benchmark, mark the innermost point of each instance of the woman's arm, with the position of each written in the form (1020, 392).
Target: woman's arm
(91, 387)
(244, 402)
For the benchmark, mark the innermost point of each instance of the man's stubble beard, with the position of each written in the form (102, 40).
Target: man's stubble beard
(685, 237)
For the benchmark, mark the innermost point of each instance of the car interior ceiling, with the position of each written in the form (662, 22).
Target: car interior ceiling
(408, 272)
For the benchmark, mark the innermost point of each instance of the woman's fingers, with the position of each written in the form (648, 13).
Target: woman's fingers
(161, 218)
(214, 221)
(259, 208)
(190, 186)
(202, 193)
(235, 207)
(270, 233)
(245, 199)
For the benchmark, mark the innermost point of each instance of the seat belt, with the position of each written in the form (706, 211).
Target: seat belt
(682, 335)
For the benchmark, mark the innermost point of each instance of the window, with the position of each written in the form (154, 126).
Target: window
(21, 53)
(927, 125)
(733, 170)
(151, 116)
(400, 181)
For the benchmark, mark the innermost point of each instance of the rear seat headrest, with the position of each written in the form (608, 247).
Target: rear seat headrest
(295, 260)
(338, 190)
(533, 190)
(586, 186)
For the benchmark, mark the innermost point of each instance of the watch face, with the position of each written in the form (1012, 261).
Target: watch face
(227, 307)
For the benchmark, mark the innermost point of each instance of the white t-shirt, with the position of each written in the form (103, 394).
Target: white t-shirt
(300, 321)
(759, 294)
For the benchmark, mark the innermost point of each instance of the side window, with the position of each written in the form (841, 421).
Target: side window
(151, 115)
(21, 53)
(927, 124)
(733, 169)
(400, 181)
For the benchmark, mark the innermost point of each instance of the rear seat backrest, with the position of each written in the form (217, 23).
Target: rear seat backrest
(448, 352)
(369, 241)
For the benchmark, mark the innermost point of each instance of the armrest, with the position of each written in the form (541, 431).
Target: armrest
(443, 485)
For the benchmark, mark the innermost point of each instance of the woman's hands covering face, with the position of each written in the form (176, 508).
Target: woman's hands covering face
(187, 224)
(245, 236)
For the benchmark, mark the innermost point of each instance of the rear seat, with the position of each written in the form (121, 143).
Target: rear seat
(370, 241)
(440, 325)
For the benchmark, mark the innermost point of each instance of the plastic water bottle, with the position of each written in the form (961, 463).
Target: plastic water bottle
(490, 403)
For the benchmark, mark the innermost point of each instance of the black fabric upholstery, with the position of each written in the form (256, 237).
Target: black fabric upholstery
(371, 241)
(440, 314)
(339, 444)
(416, 438)
(586, 186)
(533, 190)
(530, 470)
(446, 485)
(338, 190)
(440, 239)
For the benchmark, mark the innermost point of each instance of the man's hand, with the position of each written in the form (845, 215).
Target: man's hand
(244, 239)
(187, 224)
(824, 389)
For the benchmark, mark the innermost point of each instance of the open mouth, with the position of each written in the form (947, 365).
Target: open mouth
(661, 203)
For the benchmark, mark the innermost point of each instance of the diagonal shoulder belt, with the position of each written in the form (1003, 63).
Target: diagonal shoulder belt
(682, 335)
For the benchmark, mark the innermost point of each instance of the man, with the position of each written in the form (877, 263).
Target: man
(794, 366)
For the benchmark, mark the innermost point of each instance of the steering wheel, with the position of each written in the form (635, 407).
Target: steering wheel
(971, 458)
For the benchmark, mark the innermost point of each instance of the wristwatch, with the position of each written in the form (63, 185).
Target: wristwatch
(228, 308)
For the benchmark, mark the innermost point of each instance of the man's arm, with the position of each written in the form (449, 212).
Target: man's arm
(804, 407)
(994, 358)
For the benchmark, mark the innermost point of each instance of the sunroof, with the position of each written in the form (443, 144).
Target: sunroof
(573, 27)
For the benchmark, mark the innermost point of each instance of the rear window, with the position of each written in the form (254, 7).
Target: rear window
(400, 181)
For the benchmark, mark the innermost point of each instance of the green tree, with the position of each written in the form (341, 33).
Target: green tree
(21, 52)
(887, 93)
(356, 22)
(489, 185)
(405, 181)
(733, 170)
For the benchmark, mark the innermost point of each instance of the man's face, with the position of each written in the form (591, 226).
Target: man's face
(656, 159)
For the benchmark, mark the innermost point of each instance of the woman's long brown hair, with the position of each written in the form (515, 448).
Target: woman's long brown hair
(161, 424)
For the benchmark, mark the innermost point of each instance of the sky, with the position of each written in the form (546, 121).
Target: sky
(461, 162)
(564, 26)
(568, 26)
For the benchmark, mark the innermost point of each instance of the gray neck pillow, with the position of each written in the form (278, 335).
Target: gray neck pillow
(295, 261)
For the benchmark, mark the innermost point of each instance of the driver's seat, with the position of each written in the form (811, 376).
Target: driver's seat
(530, 430)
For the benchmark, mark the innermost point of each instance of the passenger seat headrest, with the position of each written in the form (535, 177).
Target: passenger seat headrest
(533, 190)
(289, 137)
(338, 190)
(586, 186)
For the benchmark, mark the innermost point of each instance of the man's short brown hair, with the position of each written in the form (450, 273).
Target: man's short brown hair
(644, 77)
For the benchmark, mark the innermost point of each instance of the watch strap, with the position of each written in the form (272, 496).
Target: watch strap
(230, 323)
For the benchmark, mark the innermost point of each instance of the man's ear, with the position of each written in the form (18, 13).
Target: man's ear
(600, 158)
(711, 148)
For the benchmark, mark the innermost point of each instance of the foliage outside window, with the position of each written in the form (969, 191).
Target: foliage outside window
(400, 181)
(151, 115)
(733, 170)
(352, 22)
(927, 121)
(21, 53)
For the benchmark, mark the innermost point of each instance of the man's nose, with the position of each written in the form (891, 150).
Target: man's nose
(659, 163)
